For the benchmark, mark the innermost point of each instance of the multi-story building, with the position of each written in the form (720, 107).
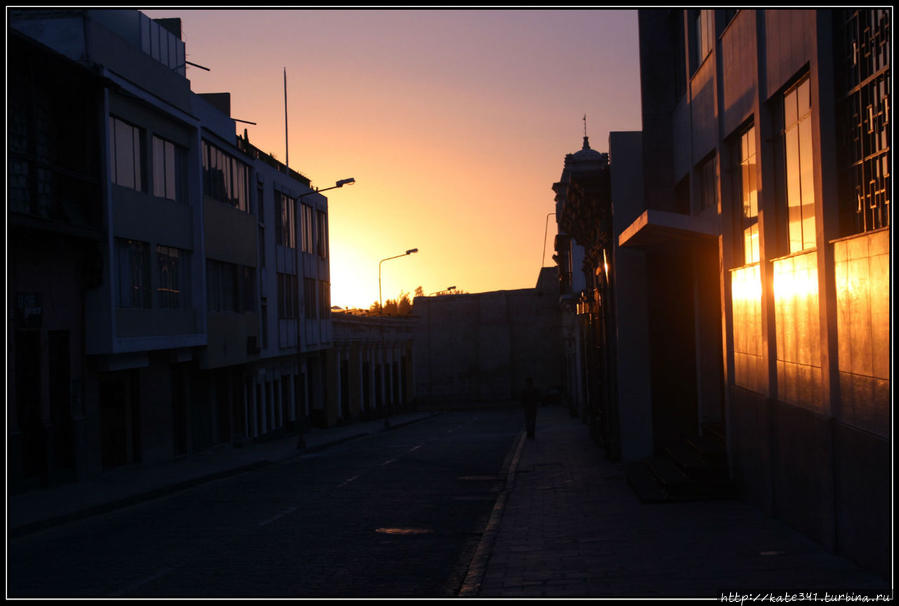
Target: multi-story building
(55, 239)
(156, 314)
(765, 233)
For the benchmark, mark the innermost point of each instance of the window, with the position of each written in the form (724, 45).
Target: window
(285, 220)
(168, 170)
(172, 279)
(702, 35)
(308, 228)
(225, 178)
(309, 299)
(708, 190)
(230, 287)
(263, 318)
(324, 299)
(134, 273)
(799, 167)
(287, 296)
(863, 39)
(125, 154)
(747, 197)
(322, 233)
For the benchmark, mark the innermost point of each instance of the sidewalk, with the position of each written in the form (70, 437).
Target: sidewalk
(38, 509)
(571, 526)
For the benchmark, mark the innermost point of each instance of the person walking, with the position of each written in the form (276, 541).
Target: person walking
(530, 398)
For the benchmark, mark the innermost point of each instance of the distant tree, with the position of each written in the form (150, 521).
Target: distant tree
(419, 292)
(404, 306)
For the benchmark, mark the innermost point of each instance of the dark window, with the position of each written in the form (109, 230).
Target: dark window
(172, 279)
(285, 220)
(230, 287)
(125, 154)
(287, 296)
(702, 35)
(134, 273)
(309, 299)
(168, 169)
(322, 232)
(225, 178)
(708, 191)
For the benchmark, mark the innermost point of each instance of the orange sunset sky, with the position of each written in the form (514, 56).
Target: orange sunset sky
(454, 123)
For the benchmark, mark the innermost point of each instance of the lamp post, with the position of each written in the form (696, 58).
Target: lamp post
(301, 414)
(408, 252)
(381, 310)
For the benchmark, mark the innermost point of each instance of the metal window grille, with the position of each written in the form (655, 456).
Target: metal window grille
(865, 117)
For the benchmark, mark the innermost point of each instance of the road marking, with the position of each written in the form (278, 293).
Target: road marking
(345, 482)
(156, 575)
(414, 448)
(388, 462)
(280, 515)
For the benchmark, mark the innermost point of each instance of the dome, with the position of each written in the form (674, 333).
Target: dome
(586, 155)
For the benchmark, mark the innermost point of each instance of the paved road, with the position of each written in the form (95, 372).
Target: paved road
(398, 513)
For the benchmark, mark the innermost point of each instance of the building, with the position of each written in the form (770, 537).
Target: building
(481, 347)
(765, 236)
(370, 366)
(156, 316)
(55, 239)
(584, 257)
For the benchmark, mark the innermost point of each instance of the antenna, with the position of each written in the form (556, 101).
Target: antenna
(286, 150)
(585, 125)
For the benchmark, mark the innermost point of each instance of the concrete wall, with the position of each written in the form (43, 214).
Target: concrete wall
(482, 347)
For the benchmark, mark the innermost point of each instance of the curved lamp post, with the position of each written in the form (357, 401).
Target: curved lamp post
(301, 414)
(381, 310)
(408, 252)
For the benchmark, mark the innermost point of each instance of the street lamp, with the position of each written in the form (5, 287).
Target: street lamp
(446, 290)
(301, 414)
(340, 183)
(381, 309)
(408, 252)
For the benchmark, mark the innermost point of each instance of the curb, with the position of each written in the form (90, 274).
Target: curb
(478, 567)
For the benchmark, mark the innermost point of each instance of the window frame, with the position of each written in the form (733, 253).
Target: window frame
(136, 152)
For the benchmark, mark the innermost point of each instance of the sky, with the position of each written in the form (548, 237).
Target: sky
(454, 124)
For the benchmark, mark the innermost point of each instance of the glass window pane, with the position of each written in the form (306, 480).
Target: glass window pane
(169, 170)
(138, 160)
(124, 148)
(158, 167)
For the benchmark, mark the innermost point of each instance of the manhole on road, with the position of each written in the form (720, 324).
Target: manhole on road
(404, 531)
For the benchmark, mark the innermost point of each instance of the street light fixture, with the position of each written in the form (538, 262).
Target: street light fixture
(301, 414)
(340, 183)
(445, 290)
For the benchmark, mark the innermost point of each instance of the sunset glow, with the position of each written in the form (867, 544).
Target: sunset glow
(455, 125)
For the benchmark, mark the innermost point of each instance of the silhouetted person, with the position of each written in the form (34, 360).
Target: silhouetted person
(530, 399)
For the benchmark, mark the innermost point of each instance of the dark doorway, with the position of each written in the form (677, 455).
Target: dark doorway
(119, 418)
(672, 344)
(62, 430)
(179, 412)
(28, 405)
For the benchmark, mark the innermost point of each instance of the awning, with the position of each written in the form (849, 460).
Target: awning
(659, 227)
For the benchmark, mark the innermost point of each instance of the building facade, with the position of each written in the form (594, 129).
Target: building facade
(765, 236)
(170, 282)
